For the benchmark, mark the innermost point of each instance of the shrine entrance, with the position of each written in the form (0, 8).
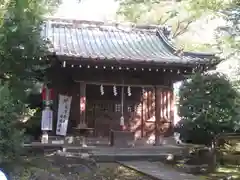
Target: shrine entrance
(104, 109)
(100, 109)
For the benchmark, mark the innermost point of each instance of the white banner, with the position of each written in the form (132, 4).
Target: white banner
(64, 106)
(176, 87)
(47, 117)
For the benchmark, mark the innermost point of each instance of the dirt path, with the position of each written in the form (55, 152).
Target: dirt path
(45, 168)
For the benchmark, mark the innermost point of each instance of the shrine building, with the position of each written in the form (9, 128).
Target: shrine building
(120, 77)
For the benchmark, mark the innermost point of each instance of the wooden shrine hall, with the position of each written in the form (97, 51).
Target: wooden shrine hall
(120, 77)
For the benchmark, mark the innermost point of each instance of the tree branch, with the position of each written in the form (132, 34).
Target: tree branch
(179, 31)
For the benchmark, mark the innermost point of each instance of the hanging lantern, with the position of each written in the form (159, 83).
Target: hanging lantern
(122, 124)
(101, 90)
(143, 91)
(129, 91)
(47, 95)
(82, 104)
(115, 90)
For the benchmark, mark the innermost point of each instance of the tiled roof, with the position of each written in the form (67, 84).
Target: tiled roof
(96, 40)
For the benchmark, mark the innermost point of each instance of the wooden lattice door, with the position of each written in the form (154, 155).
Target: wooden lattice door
(102, 116)
(103, 110)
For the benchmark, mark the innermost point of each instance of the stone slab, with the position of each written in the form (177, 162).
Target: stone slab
(122, 138)
(157, 170)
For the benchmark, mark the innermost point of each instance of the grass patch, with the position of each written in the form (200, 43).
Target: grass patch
(223, 171)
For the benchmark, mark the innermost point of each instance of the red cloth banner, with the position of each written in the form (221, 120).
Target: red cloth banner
(47, 94)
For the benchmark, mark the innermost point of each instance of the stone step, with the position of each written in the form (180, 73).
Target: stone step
(129, 157)
(75, 158)
(132, 150)
(111, 154)
(94, 141)
(72, 159)
(128, 154)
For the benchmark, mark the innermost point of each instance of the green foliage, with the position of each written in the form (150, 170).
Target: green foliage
(10, 137)
(180, 15)
(203, 5)
(227, 36)
(228, 43)
(21, 46)
(207, 106)
(22, 63)
(33, 125)
(173, 14)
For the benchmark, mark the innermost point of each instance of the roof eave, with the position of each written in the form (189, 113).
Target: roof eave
(76, 60)
(173, 49)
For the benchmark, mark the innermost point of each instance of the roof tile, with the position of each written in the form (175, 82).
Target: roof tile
(110, 42)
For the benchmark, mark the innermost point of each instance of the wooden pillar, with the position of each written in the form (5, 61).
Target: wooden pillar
(157, 115)
(82, 95)
(172, 110)
(142, 118)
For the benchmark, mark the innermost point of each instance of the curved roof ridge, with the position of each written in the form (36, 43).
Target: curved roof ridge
(125, 26)
(174, 49)
(168, 43)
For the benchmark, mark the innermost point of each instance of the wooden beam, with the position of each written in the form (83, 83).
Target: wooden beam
(120, 84)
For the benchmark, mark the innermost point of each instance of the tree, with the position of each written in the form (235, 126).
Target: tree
(182, 15)
(207, 106)
(10, 136)
(22, 62)
(178, 15)
(171, 13)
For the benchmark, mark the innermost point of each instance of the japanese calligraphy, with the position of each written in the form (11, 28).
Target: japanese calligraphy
(63, 114)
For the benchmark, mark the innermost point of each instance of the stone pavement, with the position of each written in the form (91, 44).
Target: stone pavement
(158, 170)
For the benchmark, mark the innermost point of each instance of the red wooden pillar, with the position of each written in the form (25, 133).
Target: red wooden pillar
(157, 115)
(172, 111)
(82, 110)
(142, 118)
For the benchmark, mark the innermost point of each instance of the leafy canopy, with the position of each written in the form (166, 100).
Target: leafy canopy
(10, 137)
(173, 14)
(22, 63)
(181, 16)
(208, 104)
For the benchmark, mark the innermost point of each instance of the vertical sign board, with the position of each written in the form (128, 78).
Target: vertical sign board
(176, 87)
(47, 116)
(63, 114)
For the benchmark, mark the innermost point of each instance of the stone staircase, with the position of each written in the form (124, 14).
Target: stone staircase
(102, 141)
(99, 149)
(110, 154)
